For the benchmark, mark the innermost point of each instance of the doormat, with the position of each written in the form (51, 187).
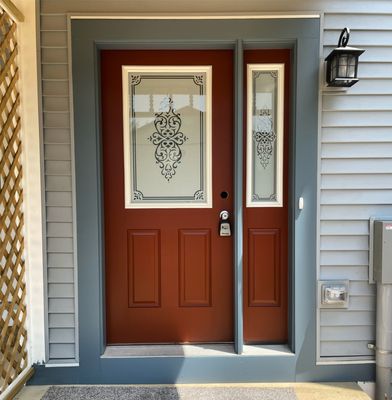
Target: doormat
(167, 393)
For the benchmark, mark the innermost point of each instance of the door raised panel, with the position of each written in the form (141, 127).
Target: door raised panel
(264, 267)
(144, 275)
(195, 267)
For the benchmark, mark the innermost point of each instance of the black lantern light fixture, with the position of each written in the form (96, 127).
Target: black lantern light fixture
(342, 63)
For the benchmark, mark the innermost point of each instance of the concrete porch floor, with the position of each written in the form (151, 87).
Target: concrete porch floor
(300, 391)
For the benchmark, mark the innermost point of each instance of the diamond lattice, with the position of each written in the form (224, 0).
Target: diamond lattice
(13, 334)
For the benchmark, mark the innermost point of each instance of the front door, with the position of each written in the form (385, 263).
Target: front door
(167, 135)
(169, 274)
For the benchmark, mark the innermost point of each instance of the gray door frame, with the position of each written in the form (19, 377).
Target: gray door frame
(301, 35)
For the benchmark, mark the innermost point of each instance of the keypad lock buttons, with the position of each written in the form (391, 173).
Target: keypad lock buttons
(224, 224)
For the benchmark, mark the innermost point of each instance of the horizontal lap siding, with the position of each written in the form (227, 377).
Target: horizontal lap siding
(58, 187)
(356, 179)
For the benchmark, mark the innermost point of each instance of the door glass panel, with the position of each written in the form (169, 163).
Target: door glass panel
(167, 136)
(265, 91)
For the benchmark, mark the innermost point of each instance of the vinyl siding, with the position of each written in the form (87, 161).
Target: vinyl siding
(355, 160)
(355, 179)
(61, 306)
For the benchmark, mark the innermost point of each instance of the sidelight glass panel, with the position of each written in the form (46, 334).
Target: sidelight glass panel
(167, 136)
(265, 91)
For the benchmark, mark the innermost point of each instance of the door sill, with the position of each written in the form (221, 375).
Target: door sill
(193, 350)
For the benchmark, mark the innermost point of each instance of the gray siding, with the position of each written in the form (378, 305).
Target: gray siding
(61, 305)
(355, 161)
(355, 180)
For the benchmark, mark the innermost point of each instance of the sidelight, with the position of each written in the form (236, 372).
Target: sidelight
(265, 90)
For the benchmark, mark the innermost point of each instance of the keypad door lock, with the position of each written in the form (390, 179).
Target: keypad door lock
(224, 224)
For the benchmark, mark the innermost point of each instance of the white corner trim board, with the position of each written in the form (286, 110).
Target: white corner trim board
(32, 180)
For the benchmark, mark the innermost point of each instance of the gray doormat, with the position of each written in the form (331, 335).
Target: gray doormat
(167, 393)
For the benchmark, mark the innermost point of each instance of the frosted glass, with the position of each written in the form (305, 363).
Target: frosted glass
(265, 135)
(168, 138)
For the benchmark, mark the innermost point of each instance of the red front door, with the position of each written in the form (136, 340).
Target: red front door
(169, 275)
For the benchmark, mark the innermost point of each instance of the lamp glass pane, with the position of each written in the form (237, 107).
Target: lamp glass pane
(334, 68)
(352, 61)
(343, 62)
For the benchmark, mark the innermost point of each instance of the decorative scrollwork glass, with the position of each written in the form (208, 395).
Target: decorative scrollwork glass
(167, 136)
(265, 91)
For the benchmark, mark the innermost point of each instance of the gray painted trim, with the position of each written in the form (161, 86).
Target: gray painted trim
(304, 36)
(304, 185)
(101, 219)
(292, 203)
(238, 188)
(198, 370)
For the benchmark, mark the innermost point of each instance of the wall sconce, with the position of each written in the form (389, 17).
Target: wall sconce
(342, 63)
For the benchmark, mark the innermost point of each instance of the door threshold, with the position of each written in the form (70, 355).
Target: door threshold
(193, 350)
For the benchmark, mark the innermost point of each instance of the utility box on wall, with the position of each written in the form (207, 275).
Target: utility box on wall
(382, 252)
